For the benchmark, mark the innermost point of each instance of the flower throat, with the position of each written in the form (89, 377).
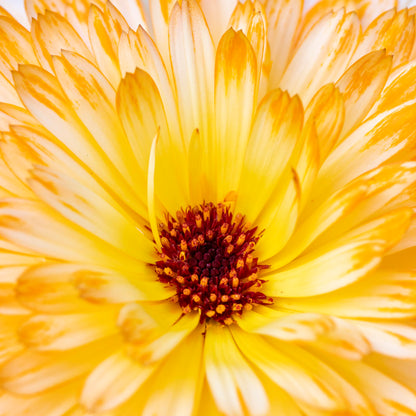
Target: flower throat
(207, 255)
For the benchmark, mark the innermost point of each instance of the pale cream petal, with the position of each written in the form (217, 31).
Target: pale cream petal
(387, 396)
(93, 99)
(393, 31)
(45, 99)
(8, 93)
(55, 402)
(342, 261)
(312, 384)
(284, 325)
(387, 136)
(47, 288)
(283, 18)
(64, 332)
(132, 10)
(398, 89)
(32, 372)
(138, 50)
(113, 381)
(323, 55)
(105, 32)
(36, 227)
(218, 13)
(384, 294)
(235, 92)
(141, 112)
(326, 110)
(91, 212)
(193, 59)
(15, 46)
(394, 339)
(9, 342)
(361, 85)
(51, 33)
(175, 387)
(232, 382)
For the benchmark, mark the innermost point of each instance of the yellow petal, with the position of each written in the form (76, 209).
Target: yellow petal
(341, 262)
(232, 382)
(235, 91)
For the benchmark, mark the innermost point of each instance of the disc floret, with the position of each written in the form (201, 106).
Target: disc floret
(207, 254)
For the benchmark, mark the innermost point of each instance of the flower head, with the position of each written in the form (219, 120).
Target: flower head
(207, 208)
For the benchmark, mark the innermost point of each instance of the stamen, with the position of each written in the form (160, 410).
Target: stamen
(207, 255)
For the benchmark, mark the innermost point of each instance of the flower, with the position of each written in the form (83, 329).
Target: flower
(208, 211)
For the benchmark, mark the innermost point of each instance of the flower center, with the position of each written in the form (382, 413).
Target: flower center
(207, 255)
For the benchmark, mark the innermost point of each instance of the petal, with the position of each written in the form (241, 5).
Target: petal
(230, 377)
(326, 110)
(323, 55)
(52, 33)
(387, 396)
(274, 135)
(285, 326)
(32, 372)
(386, 136)
(175, 387)
(47, 288)
(105, 32)
(36, 227)
(91, 212)
(312, 384)
(283, 17)
(113, 382)
(192, 56)
(63, 332)
(15, 46)
(235, 90)
(341, 262)
(384, 294)
(361, 86)
(392, 31)
(43, 96)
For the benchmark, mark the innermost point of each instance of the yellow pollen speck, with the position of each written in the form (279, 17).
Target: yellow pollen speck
(186, 292)
(228, 321)
(237, 307)
(184, 246)
(196, 298)
(235, 283)
(240, 263)
(224, 298)
(194, 277)
(241, 239)
(198, 221)
(180, 279)
(168, 271)
(186, 309)
(212, 297)
(230, 249)
(224, 281)
(204, 282)
(210, 314)
(224, 228)
(165, 242)
(236, 296)
(220, 309)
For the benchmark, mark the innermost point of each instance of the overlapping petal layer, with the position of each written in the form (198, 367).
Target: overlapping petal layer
(302, 124)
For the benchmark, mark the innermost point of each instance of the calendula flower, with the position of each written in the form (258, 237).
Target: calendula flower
(207, 208)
